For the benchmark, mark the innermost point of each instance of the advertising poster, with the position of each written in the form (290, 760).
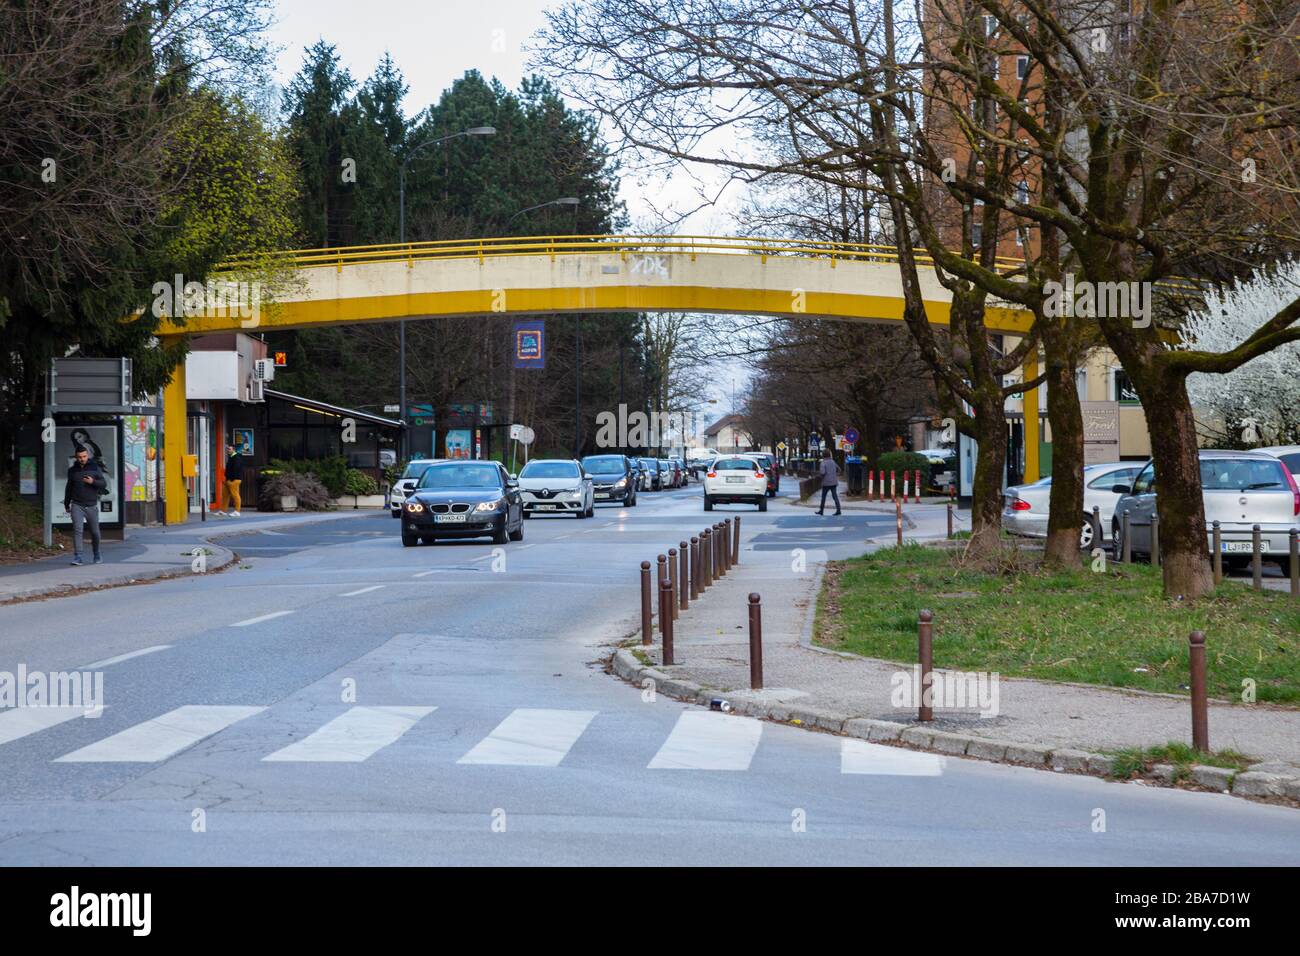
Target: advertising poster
(458, 443)
(139, 454)
(27, 475)
(530, 344)
(242, 439)
(101, 441)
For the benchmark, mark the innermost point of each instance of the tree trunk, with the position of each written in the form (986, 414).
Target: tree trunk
(1066, 418)
(990, 469)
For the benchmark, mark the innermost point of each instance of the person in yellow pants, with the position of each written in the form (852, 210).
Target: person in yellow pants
(234, 468)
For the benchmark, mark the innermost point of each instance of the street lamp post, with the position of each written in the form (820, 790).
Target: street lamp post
(401, 238)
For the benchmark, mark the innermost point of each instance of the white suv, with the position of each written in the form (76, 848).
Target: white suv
(735, 478)
(555, 486)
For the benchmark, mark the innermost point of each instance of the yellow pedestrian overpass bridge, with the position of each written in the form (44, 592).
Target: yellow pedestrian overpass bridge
(574, 274)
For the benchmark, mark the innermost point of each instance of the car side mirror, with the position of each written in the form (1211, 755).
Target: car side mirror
(512, 482)
(1120, 489)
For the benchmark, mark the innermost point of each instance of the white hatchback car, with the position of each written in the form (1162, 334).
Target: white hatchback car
(735, 479)
(1025, 507)
(555, 486)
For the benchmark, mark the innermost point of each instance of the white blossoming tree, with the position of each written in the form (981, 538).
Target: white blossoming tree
(1257, 403)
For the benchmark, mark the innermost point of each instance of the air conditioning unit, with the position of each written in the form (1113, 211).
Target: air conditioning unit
(256, 390)
(264, 370)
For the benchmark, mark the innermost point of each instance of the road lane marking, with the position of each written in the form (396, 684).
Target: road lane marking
(162, 737)
(531, 738)
(858, 756)
(353, 736)
(126, 657)
(373, 587)
(264, 617)
(702, 740)
(21, 721)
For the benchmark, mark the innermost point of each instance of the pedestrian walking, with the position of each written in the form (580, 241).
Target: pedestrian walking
(86, 482)
(234, 468)
(830, 481)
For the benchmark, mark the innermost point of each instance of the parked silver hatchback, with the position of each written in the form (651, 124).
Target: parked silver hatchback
(1241, 489)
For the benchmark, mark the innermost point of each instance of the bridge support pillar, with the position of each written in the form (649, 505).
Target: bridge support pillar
(1030, 405)
(175, 438)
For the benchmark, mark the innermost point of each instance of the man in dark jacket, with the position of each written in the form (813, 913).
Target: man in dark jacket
(86, 482)
(830, 481)
(234, 474)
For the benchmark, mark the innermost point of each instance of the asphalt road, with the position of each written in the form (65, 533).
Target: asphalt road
(339, 699)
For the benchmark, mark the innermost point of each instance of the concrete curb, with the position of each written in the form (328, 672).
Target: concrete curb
(1272, 787)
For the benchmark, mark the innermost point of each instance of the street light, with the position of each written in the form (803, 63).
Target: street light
(401, 238)
(562, 201)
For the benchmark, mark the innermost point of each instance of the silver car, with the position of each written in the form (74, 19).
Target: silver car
(403, 487)
(1241, 489)
(1289, 454)
(1025, 507)
(556, 486)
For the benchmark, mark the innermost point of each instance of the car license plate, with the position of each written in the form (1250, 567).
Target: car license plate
(735, 479)
(602, 494)
(546, 507)
(1243, 547)
(448, 519)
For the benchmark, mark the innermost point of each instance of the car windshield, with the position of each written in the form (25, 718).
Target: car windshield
(735, 464)
(1242, 474)
(416, 468)
(549, 469)
(460, 475)
(602, 464)
(648, 464)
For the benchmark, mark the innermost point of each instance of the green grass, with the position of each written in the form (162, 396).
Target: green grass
(1136, 761)
(1112, 628)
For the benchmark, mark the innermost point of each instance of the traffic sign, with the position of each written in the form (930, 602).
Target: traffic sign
(780, 446)
(522, 434)
(281, 359)
(851, 436)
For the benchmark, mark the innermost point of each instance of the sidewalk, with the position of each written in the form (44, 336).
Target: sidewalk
(148, 554)
(711, 649)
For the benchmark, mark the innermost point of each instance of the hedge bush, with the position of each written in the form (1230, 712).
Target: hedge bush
(331, 472)
(901, 461)
(311, 494)
(360, 483)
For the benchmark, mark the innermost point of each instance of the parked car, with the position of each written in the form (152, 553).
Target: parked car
(1290, 455)
(406, 484)
(672, 477)
(1240, 489)
(1025, 507)
(463, 499)
(770, 469)
(653, 476)
(943, 466)
(681, 470)
(556, 485)
(613, 478)
(735, 479)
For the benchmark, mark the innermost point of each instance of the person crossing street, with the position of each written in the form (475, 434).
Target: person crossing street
(830, 481)
(86, 482)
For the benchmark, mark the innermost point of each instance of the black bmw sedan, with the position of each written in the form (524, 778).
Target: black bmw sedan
(463, 499)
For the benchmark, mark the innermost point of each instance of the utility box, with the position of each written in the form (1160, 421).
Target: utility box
(189, 466)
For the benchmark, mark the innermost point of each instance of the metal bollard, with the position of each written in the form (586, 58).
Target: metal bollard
(1200, 713)
(666, 619)
(1098, 539)
(1295, 562)
(735, 542)
(1256, 559)
(1218, 554)
(706, 559)
(683, 576)
(755, 642)
(695, 567)
(950, 520)
(720, 546)
(672, 578)
(898, 520)
(1155, 539)
(1126, 555)
(925, 658)
(729, 525)
(646, 626)
(661, 575)
(916, 488)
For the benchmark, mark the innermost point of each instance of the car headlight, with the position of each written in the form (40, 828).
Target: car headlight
(489, 505)
(415, 507)
(620, 483)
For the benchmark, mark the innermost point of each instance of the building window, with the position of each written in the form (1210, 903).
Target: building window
(1022, 67)
(1022, 193)
(1081, 383)
(976, 234)
(1122, 389)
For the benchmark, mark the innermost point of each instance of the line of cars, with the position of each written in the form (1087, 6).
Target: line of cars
(1240, 489)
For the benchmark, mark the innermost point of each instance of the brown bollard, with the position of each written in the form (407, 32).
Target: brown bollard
(666, 619)
(646, 626)
(1097, 535)
(898, 520)
(672, 578)
(950, 520)
(1256, 559)
(695, 567)
(1126, 552)
(1217, 557)
(1200, 713)
(755, 642)
(1295, 562)
(1155, 539)
(683, 576)
(719, 551)
(706, 559)
(661, 575)
(735, 542)
(925, 657)
(727, 553)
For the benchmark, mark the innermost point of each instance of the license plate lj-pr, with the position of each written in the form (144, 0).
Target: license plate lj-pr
(1243, 547)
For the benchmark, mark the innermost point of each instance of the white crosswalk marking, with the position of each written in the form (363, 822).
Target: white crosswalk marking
(373, 587)
(18, 722)
(703, 740)
(353, 736)
(108, 662)
(260, 619)
(531, 738)
(161, 737)
(858, 756)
